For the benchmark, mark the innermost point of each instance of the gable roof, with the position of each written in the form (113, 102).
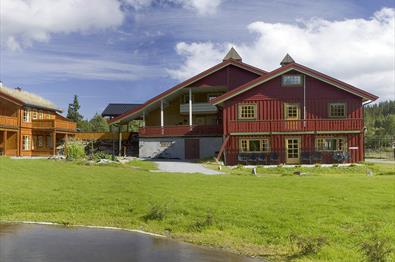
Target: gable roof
(113, 110)
(21, 97)
(187, 82)
(302, 69)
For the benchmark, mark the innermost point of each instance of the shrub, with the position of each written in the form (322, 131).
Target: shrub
(101, 155)
(74, 150)
(201, 224)
(156, 212)
(307, 245)
(376, 249)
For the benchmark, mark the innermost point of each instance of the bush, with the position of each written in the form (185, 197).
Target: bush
(200, 224)
(307, 245)
(376, 249)
(75, 150)
(101, 155)
(156, 212)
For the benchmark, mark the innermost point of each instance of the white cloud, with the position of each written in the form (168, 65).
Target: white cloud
(26, 21)
(202, 7)
(358, 51)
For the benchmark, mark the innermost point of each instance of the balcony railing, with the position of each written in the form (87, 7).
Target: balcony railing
(54, 124)
(198, 108)
(295, 125)
(8, 121)
(181, 130)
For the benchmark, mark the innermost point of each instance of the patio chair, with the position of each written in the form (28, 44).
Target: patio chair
(316, 157)
(242, 158)
(273, 158)
(305, 157)
(262, 159)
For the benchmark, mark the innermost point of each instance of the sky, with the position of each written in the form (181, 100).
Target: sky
(127, 51)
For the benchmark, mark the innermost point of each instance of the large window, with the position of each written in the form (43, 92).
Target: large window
(34, 115)
(254, 145)
(337, 110)
(41, 115)
(292, 111)
(330, 144)
(292, 80)
(26, 143)
(247, 111)
(26, 115)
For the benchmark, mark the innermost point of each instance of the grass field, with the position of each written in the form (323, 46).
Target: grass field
(275, 215)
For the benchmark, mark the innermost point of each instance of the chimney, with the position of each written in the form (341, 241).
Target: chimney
(287, 60)
(18, 89)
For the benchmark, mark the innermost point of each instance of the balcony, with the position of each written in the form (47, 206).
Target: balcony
(8, 121)
(57, 124)
(314, 125)
(198, 130)
(198, 108)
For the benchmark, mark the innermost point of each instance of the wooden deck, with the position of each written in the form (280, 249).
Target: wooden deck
(7, 121)
(57, 124)
(270, 126)
(181, 130)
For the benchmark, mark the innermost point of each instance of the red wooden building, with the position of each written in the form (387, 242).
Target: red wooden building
(292, 115)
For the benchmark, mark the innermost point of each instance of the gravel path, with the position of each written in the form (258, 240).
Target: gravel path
(184, 167)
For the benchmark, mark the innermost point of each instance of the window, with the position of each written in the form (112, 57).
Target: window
(185, 99)
(337, 110)
(41, 115)
(26, 143)
(48, 116)
(49, 141)
(34, 115)
(40, 141)
(330, 144)
(26, 115)
(292, 111)
(292, 80)
(247, 111)
(254, 145)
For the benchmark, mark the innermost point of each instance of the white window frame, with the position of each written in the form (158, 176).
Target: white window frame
(286, 83)
(26, 142)
(26, 116)
(241, 108)
(337, 104)
(341, 144)
(245, 145)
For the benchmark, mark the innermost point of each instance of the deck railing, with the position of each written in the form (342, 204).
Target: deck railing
(295, 125)
(54, 124)
(8, 121)
(181, 130)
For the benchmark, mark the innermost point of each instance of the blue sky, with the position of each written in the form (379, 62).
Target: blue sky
(126, 51)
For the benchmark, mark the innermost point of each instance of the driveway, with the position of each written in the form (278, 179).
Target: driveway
(184, 167)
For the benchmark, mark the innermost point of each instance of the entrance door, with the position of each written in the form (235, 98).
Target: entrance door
(292, 150)
(192, 149)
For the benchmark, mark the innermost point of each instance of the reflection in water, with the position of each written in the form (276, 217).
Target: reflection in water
(28, 242)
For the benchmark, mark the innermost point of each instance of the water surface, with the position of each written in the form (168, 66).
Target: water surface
(42, 243)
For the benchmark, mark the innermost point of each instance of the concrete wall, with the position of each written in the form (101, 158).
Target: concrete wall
(173, 148)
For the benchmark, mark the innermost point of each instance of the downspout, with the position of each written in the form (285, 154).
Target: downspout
(304, 101)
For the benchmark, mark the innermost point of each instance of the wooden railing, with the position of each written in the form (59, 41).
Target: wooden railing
(295, 125)
(8, 121)
(54, 124)
(181, 130)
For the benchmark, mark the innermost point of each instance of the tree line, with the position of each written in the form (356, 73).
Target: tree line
(380, 124)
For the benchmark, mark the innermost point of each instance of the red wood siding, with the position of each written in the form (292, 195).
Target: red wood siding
(230, 76)
(307, 144)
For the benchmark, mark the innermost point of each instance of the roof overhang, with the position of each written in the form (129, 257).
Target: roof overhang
(138, 111)
(302, 69)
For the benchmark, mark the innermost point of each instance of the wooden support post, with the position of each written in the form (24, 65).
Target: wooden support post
(5, 142)
(120, 141)
(162, 120)
(143, 119)
(190, 107)
(54, 144)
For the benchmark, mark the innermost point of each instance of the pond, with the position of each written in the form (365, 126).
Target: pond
(44, 243)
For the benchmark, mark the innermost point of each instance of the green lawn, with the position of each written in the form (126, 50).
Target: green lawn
(242, 213)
